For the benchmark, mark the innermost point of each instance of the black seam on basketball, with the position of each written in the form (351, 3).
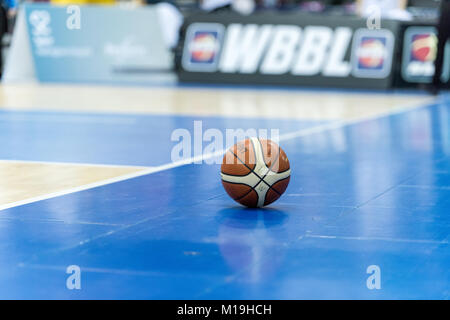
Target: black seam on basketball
(271, 166)
(264, 158)
(280, 181)
(251, 170)
(270, 169)
(246, 194)
(283, 179)
(234, 175)
(257, 194)
(252, 189)
(265, 197)
(276, 183)
(270, 187)
(262, 179)
(281, 171)
(254, 149)
(244, 184)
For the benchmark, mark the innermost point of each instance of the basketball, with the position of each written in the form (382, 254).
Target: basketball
(255, 172)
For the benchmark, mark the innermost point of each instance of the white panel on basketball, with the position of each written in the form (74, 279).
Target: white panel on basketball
(261, 170)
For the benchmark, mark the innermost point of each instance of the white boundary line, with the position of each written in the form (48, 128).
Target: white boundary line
(150, 170)
(73, 164)
(145, 171)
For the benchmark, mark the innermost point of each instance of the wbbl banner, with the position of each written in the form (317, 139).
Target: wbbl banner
(287, 49)
(89, 43)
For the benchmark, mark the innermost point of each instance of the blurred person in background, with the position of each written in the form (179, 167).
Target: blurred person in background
(215, 5)
(443, 37)
(68, 2)
(8, 10)
(171, 18)
(10, 7)
(249, 6)
(306, 5)
(390, 9)
(245, 7)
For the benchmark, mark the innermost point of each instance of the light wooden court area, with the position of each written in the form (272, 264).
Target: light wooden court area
(232, 102)
(27, 181)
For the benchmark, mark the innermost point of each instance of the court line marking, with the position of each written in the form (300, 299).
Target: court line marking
(140, 173)
(295, 134)
(74, 164)
(388, 239)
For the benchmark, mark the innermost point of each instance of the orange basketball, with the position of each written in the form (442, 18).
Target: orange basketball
(255, 172)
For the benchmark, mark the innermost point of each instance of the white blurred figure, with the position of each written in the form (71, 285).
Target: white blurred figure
(171, 19)
(244, 7)
(390, 9)
(211, 5)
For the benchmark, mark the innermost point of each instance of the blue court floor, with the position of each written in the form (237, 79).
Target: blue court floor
(375, 192)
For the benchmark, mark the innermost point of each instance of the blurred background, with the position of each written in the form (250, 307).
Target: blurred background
(149, 41)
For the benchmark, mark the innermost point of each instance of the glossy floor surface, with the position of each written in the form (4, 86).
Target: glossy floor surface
(97, 188)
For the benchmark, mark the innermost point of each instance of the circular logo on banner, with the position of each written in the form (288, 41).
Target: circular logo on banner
(424, 47)
(203, 47)
(371, 53)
